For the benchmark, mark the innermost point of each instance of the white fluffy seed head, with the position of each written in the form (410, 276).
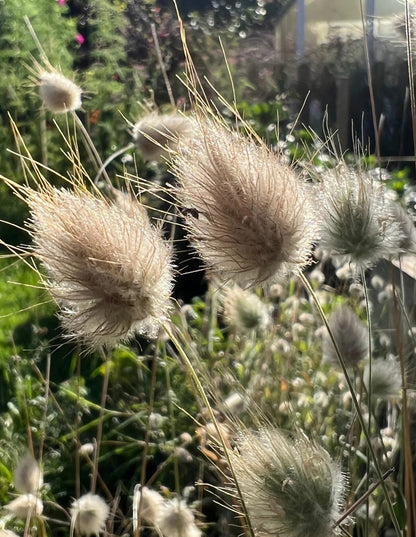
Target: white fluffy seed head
(58, 93)
(386, 379)
(107, 266)
(357, 219)
(25, 506)
(247, 213)
(147, 504)
(177, 520)
(89, 514)
(28, 475)
(157, 135)
(290, 486)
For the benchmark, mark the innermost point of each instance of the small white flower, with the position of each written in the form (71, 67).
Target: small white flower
(89, 514)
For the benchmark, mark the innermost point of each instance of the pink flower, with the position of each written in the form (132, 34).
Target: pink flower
(61, 2)
(79, 38)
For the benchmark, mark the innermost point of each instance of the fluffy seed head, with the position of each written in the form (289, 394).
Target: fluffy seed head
(291, 487)
(58, 93)
(357, 221)
(351, 336)
(28, 475)
(149, 502)
(156, 135)
(248, 215)
(244, 310)
(25, 506)
(108, 267)
(386, 379)
(177, 520)
(89, 514)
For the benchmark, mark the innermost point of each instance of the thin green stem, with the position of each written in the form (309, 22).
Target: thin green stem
(101, 421)
(356, 404)
(201, 392)
(147, 440)
(368, 388)
(172, 424)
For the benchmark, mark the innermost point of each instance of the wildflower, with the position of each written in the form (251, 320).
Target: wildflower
(58, 93)
(386, 379)
(350, 335)
(248, 214)
(28, 475)
(25, 506)
(177, 520)
(149, 502)
(89, 514)
(80, 39)
(357, 219)
(291, 487)
(157, 135)
(244, 310)
(108, 267)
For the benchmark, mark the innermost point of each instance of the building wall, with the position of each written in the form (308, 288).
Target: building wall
(323, 19)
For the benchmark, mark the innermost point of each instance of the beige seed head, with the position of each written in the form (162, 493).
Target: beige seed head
(247, 213)
(58, 93)
(156, 135)
(28, 475)
(107, 266)
(351, 336)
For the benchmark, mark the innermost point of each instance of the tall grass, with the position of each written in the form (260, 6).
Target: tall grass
(218, 417)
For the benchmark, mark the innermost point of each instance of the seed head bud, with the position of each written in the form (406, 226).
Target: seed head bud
(58, 93)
